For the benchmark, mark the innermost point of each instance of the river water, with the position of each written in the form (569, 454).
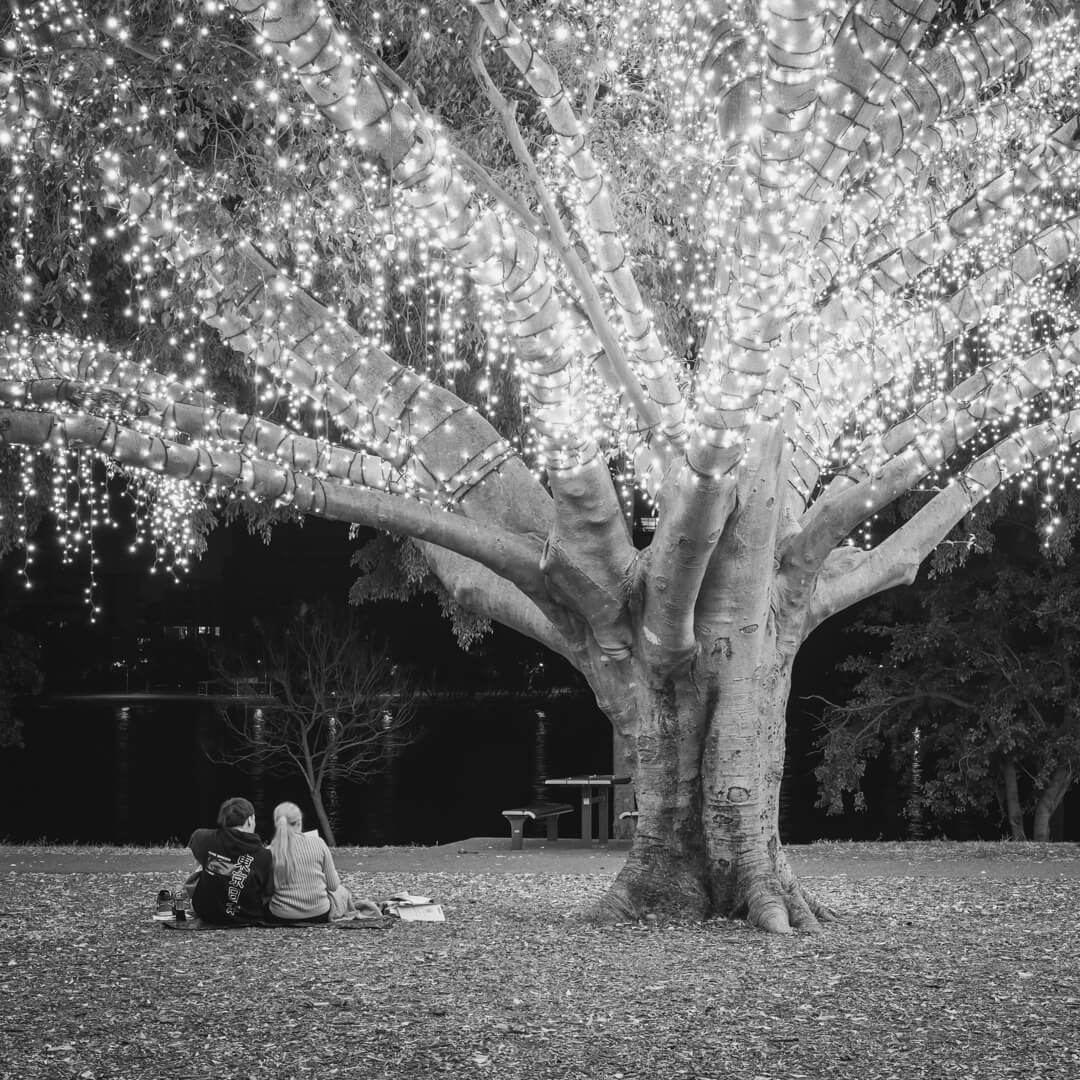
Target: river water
(134, 768)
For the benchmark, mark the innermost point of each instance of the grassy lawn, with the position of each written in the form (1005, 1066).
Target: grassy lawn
(927, 975)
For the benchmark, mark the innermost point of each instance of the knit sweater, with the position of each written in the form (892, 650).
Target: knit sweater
(312, 876)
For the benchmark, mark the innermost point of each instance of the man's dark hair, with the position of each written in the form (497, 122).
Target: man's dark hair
(234, 812)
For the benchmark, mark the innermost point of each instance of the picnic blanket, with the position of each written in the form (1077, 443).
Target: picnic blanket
(401, 907)
(193, 922)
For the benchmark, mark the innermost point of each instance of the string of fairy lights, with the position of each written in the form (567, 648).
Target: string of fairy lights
(719, 226)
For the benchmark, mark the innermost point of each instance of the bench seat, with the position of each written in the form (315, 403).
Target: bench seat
(541, 811)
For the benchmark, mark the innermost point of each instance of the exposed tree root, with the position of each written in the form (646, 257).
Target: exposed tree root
(772, 900)
(668, 889)
(615, 906)
(780, 906)
(824, 914)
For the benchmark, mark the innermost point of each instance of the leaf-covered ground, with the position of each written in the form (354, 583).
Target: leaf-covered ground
(929, 974)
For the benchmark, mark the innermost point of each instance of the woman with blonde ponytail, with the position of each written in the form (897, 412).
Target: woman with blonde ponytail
(305, 878)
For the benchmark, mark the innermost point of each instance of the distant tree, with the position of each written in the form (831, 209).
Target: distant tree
(342, 707)
(975, 692)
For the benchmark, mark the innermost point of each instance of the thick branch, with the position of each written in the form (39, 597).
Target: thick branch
(851, 575)
(611, 256)
(795, 47)
(307, 38)
(952, 76)
(212, 427)
(928, 96)
(741, 570)
(616, 371)
(508, 555)
(482, 592)
(493, 251)
(692, 516)
(588, 555)
(871, 45)
(588, 510)
(442, 444)
(892, 272)
(836, 383)
(867, 44)
(757, 291)
(912, 449)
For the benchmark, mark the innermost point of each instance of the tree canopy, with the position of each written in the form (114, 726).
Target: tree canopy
(771, 265)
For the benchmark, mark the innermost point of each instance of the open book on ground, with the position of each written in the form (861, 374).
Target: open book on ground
(411, 908)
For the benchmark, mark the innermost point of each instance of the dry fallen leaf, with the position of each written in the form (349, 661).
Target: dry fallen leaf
(929, 974)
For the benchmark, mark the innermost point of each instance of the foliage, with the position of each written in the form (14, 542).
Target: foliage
(391, 568)
(975, 671)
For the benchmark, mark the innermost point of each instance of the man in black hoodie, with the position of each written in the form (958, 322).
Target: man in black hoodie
(237, 876)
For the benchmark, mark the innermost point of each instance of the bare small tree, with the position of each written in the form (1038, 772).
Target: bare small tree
(342, 708)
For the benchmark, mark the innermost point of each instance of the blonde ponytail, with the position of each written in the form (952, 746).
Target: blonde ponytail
(288, 821)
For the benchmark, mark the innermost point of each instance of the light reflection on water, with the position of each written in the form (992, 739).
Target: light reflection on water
(137, 769)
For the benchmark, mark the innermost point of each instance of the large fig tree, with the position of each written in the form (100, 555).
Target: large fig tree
(473, 274)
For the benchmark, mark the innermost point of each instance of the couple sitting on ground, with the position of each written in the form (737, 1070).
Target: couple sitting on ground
(291, 883)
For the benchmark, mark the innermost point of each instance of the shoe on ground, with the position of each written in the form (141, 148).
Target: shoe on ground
(163, 909)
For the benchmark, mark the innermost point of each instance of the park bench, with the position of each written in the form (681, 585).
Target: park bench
(541, 811)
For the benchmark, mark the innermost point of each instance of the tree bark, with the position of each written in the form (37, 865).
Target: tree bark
(665, 871)
(1013, 810)
(710, 762)
(1052, 794)
(624, 763)
(744, 763)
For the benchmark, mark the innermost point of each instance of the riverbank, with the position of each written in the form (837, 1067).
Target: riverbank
(492, 855)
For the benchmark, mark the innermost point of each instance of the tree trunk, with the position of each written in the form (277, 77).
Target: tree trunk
(1052, 794)
(710, 764)
(624, 763)
(665, 871)
(321, 814)
(1013, 810)
(743, 768)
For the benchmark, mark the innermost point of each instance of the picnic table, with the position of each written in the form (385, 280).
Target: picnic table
(595, 789)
